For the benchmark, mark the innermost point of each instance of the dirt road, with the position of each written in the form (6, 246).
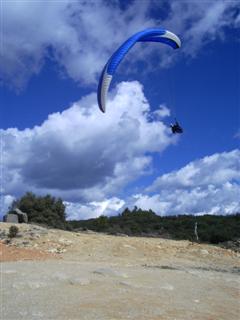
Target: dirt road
(64, 275)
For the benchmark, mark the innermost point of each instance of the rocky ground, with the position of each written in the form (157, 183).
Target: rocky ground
(54, 274)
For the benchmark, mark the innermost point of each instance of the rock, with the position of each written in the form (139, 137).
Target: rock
(60, 276)
(65, 242)
(109, 272)
(118, 234)
(56, 250)
(38, 315)
(21, 244)
(16, 216)
(34, 235)
(8, 271)
(79, 281)
(19, 235)
(167, 287)
(89, 232)
(7, 241)
(232, 245)
(128, 246)
(129, 285)
(22, 216)
(29, 284)
(204, 251)
(25, 243)
(32, 238)
(3, 234)
(11, 218)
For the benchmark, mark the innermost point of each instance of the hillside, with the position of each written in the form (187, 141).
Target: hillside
(213, 229)
(85, 275)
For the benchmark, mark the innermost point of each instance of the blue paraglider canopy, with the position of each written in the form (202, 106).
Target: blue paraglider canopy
(147, 35)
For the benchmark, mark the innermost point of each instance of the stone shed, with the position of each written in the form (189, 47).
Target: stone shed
(16, 216)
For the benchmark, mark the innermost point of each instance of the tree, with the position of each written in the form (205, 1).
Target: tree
(101, 223)
(43, 210)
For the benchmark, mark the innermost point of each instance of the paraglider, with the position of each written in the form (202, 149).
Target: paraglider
(147, 35)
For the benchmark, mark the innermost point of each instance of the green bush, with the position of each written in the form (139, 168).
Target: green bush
(45, 210)
(218, 236)
(13, 231)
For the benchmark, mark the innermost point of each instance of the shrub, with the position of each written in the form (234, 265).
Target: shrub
(44, 210)
(219, 236)
(13, 231)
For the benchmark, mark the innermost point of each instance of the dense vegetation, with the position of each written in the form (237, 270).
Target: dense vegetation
(212, 229)
(50, 211)
(45, 210)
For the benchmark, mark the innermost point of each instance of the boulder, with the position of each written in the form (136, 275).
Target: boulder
(11, 218)
(16, 216)
(22, 216)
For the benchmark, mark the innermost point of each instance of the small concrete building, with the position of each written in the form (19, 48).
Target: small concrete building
(16, 216)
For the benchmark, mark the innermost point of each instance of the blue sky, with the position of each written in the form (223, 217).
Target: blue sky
(55, 140)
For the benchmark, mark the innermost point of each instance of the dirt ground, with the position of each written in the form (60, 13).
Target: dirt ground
(10, 253)
(54, 274)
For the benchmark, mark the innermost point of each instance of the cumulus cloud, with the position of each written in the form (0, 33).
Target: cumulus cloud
(81, 35)
(209, 185)
(162, 112)
(83, 154)
(78, 35)
(94, 209)
(5, 203)
(200, 22)
(215, 169)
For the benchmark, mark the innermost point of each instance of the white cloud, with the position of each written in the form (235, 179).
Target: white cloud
(162, 111)
(215, 169)
(200, 22)
(209, 185)
(5, 203)
(80, 36)
(76, 211)
(83, 154)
